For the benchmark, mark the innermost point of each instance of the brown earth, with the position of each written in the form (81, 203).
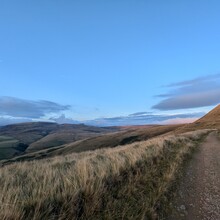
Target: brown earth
(198, 196)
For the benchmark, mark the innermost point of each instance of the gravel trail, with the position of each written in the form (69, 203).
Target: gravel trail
(198, 196)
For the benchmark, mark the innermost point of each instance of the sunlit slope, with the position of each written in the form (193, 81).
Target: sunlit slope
(209, 121)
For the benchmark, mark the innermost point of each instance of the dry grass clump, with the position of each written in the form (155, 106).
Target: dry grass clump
(125, 182)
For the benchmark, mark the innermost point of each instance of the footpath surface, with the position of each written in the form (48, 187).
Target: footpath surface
(198, 196)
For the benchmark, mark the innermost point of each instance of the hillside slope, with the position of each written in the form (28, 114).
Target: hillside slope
(28, 133)
(42, 135)
(128, 182)
(210, 121)
(115, 139)
(129, 135)
(67, 133)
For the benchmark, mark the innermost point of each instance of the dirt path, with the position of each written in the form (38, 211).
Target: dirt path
(198, 196)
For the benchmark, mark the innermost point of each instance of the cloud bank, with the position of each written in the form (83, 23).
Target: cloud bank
(14, 110)
(143, 118)
(16, 107)
(199, 92)
(9, 120)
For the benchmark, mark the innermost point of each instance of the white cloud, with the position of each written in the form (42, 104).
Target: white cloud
(199, 92)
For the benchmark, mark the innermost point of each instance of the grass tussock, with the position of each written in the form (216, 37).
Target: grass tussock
(125, 182)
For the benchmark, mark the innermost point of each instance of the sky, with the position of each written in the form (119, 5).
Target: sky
(112, 62)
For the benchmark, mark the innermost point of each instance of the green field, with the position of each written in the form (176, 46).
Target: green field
(7, 147)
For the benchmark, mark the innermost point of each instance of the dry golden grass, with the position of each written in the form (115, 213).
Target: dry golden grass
(125, 182)
(210, 121)
(127, 136)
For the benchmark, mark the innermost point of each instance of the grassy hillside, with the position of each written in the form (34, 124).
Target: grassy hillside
(115, 139)
(209, 121)
(42, 135)
(127, 136)
(8, 147)
(28, 133)
(125, 182)
(68, 133)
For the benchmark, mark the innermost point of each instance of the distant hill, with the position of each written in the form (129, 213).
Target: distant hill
(34, 136)
(68, 133)
(210, 120)
(126, 136)
(28, 133)
(116, 139)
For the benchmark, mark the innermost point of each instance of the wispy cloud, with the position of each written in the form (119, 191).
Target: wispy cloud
(140, 114)
(139, 118)
(16, 107)
(143, 118)
(195, 81)
(199, 92)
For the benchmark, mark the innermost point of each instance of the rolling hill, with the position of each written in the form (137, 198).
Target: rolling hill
(28, 133)
(31, 137)
(128, 135)
(67, 133)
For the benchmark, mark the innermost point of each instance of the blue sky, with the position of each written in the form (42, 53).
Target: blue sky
(92, 59)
